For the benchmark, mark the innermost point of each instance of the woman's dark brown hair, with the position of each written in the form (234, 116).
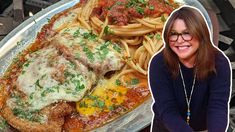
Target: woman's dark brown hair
(196, 25)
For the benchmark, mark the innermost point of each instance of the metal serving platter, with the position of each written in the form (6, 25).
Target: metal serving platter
(25, 34)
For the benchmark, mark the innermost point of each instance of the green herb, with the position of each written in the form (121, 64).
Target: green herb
(38, 84)
(118, 82)
(88, 53)
(44, 75)
(158, 37)
(78, 86)
(31, 96)
(29, 115)
(103, 50)
(103, 53)
(19, 43)
(57, 88)
(76, 33)
(142, 1)
(92, 97)
(83, 104)
(163, 19)
(68, 74)
(48, 90)
(68, 91)
(131, 3)
(77, 55)
(107, 30)
(140, 10)
(72, 64)
(27, 63)
(119, 3)
(135, 3)
(89, 36)
(151, 7)
(16, 59)
(117, 48)
(111, 108)
(150, 35)
(134, 81)
(100, 103)
(23, 72)
(3, 124)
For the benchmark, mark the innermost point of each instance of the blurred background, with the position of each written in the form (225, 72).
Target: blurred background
(222, 13)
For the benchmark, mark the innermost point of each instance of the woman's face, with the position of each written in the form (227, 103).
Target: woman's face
(182, 43)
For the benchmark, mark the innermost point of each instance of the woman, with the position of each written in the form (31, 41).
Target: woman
(190, 78)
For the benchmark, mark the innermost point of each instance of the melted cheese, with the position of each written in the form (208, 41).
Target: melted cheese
(100, 54)
(38, 83)
(68, 18)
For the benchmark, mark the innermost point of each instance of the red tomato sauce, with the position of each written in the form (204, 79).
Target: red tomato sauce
(122, 12)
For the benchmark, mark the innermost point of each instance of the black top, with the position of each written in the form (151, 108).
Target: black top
(209, 103)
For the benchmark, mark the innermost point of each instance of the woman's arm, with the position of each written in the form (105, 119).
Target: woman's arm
(219, 94)
(162, 92)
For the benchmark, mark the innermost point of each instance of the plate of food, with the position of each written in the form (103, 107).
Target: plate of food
(82, 66)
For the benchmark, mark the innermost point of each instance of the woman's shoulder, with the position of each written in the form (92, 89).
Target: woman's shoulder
(221, 61)
(221, 58)
(158, 63)
(158, 58)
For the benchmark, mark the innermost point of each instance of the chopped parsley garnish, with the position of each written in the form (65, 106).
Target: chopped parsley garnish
(83, 104)
(117, 48)
(119, 3)
(68, 74)
(31, 96)
(3, 124)
(88, 53)
(158, 37)
(107, 30)
(27, 63)
(142, 1)
(29, 115)
(150, 35)
(48, 19)
(38, 84)
(134, 81)
(72, 64)
(20, 43)
(135, 3)
(79, 87)
(76, 33)
(151, 7)
(46, 91)
(118, 82)
(89, 36)
(23, 72)
(92, 97)
(77, 55)
(103, 50)
(100, 103)
(111, 108)
(140, 10)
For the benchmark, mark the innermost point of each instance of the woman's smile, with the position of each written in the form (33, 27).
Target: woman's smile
(184, 46)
